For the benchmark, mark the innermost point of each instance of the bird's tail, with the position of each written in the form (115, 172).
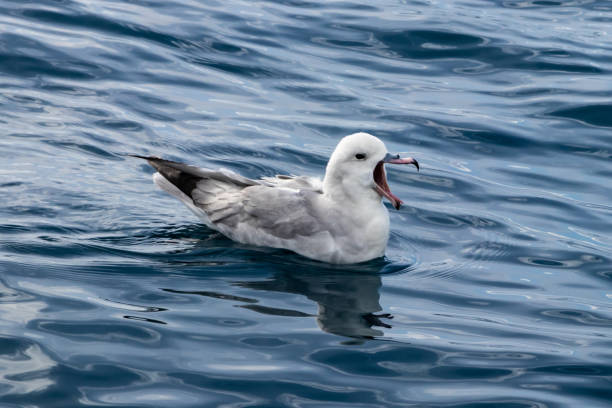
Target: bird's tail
(181, 176)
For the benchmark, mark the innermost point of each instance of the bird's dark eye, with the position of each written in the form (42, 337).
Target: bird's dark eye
(360, 156)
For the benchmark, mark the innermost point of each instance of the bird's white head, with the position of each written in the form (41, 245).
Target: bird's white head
(357, 166)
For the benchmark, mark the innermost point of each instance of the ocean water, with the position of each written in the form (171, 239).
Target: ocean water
(496, 290)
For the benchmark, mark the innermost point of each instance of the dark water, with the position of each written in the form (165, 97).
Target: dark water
(497, 287)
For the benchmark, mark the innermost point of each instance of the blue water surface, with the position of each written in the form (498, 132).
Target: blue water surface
(496, 290)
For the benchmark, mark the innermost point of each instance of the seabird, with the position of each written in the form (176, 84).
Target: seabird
(340, 219)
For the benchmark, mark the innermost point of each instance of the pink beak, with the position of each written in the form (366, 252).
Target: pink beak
(380, 178)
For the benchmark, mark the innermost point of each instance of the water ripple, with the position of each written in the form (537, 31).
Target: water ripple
(495, 289)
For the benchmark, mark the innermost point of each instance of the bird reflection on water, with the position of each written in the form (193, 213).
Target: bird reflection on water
(348, 302)
(347, 297)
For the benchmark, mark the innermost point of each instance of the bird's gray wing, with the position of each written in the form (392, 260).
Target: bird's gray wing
(283, 212)
(250, 211)
(277, 217)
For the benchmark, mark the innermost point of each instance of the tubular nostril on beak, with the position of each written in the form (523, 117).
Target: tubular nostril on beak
(389, 157)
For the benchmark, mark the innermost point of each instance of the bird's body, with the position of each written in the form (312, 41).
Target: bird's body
(340, 219)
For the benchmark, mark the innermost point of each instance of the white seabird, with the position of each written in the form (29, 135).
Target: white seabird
(340, 219)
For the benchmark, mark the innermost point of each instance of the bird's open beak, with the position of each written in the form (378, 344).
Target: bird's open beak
(380, 178)
(395, 159)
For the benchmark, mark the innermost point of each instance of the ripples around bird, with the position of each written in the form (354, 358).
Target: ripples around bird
(496, 288)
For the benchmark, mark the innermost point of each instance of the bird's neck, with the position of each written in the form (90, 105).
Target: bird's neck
(350, 194)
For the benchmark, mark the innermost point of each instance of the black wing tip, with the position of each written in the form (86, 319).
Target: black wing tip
(172, 171)
(138, 156)
(157, 159)
(156, 162)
